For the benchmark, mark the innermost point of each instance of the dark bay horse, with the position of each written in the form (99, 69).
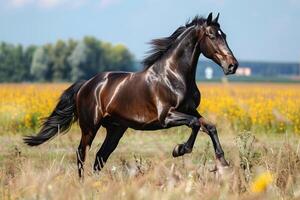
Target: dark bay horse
(163, 95)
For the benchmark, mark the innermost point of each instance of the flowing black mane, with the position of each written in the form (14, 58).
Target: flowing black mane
(162, 45)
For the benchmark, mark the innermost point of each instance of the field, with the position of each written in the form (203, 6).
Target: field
(272, 108)
(259, 126)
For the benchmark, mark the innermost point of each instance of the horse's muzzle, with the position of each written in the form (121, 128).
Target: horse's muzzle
(231, 69)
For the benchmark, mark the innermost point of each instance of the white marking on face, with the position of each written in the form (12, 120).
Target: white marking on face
(219, 32)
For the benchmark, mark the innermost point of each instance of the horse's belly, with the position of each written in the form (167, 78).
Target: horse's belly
(134, 123)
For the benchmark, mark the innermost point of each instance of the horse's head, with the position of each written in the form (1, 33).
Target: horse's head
(214, 45)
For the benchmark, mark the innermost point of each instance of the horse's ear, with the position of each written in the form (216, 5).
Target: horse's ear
(217, 18)
(209, 19)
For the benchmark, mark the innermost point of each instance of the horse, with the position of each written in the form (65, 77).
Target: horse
(162, 95)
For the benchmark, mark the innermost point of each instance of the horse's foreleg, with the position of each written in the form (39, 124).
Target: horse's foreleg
(211, 130)
(175, 118)
(113, 136)
(181, 149)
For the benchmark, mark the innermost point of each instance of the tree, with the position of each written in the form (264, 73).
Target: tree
(12, 68)
(86, 59)
(5, 62)
(40, 67)
(117, 58)
(63, 61)
(17, 68)
(122, 58)
(27, 60)
(61, 67)
(77, 61)
(95, 59)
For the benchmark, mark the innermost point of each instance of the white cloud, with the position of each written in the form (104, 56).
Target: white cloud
(49, 3)
(19, 3)
(46, 4)
(107, 3)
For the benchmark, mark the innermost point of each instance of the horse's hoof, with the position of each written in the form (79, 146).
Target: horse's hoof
(222, 162)
(181, 149)
(213, 170)
(221, 167)
(178, 150)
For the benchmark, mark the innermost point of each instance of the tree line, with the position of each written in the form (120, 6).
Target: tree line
(62, 61)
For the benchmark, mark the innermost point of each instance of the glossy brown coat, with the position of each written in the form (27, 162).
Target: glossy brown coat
(162, 95)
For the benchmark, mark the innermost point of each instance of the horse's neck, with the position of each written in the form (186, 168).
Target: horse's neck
(181, 61)
(185, 57)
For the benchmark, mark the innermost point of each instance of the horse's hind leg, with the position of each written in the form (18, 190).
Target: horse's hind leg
(113, 136)
(88, 135)
(211, 130)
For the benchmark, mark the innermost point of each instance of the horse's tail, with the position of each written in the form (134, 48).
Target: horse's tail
(61, 118)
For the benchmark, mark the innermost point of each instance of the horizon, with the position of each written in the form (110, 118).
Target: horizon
(264, 34)
(201, 58)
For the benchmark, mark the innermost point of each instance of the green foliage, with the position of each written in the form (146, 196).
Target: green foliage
(86, 59)
(41, 65)
(61, 67)
(63, 61)
(78, 60)
(14, 62)
(119, 54)
(249, 154)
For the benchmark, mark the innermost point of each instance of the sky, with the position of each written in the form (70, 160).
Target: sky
(257, 30)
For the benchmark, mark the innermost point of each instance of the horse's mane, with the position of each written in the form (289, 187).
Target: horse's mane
(162, 45)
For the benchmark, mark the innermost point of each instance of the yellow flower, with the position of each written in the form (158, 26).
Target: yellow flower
(261, 182)
(96, 184)
(241, 106)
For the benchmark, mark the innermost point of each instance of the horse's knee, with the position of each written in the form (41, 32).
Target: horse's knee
(194, 123)
(211, 129)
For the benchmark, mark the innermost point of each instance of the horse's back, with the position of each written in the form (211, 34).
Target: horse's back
(91, 98)
(129, 99)
(120, 96)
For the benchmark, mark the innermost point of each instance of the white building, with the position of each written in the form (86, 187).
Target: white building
(209, 73)
(243, 71)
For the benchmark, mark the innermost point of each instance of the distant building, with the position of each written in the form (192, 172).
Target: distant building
(209, 72)
(257, 69)
(243, 71)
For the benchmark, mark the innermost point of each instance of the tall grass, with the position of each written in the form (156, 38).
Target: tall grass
(142, 168)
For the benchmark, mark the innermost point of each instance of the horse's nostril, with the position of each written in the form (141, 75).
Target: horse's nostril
(231, 67)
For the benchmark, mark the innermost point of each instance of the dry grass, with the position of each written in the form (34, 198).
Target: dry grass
(263, 166)
(142, 168)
